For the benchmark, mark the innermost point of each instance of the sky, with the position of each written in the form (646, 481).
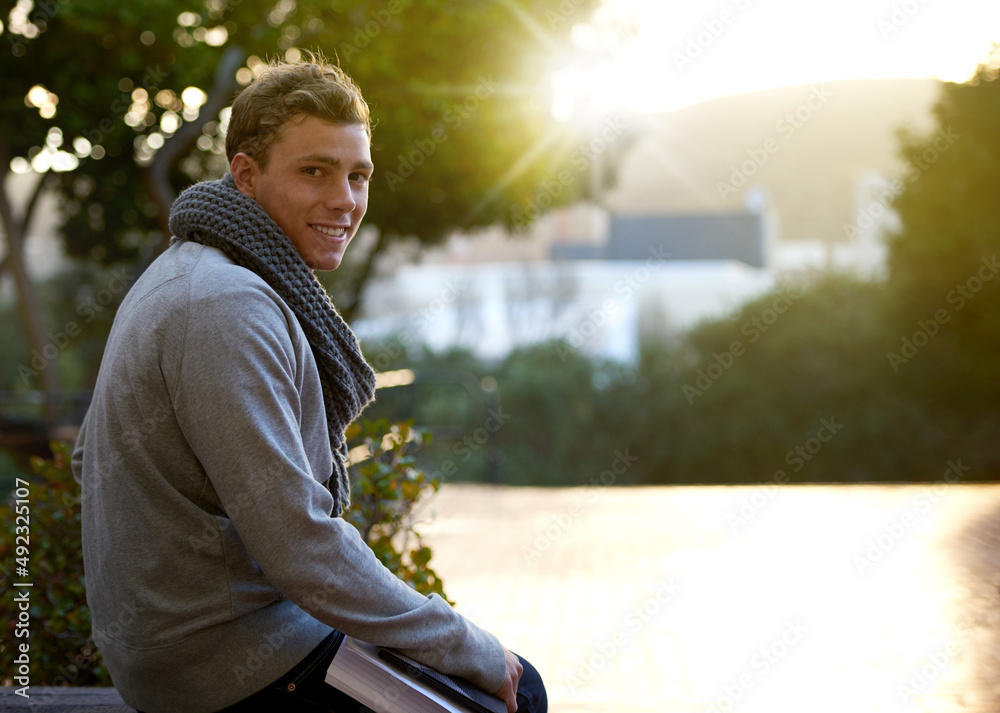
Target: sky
(658, 55)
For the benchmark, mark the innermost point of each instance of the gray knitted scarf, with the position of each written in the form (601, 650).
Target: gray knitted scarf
(216, 214)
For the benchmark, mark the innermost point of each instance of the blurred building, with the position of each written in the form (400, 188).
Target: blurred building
(726, 236)
(598, 281)
(863, 248)
(601, 308)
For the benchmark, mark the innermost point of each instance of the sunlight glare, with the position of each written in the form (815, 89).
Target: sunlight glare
(588, 95)
(648, 56)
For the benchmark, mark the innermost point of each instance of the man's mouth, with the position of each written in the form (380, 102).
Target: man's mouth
(332, 232)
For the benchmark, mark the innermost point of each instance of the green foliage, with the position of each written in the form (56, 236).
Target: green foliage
(545, 415)
(386, 488)
(566, 416)
(436, 89)
(62, 650)
(943, 260)
(822, 357)
(14, 349)
(735, 400)
(9, 471)
(109, 215)
(948, 212)
(107, 81)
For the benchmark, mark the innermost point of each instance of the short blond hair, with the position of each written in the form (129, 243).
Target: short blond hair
(312, 87)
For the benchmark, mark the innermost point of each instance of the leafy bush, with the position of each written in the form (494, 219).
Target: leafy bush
(566, 417)
(386, 488)
(733, 400)
(62, 650)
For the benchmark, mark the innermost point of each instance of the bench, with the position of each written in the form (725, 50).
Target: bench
(61, 699)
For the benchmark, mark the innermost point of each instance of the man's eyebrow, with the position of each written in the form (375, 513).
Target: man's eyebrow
(331, 161)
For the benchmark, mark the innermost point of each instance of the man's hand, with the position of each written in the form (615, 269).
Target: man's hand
(508, 691)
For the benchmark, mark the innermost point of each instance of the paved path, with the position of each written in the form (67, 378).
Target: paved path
(839, 599)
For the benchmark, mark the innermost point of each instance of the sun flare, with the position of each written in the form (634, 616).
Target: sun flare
(642, 56)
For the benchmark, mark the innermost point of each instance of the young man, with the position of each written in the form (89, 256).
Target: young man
(219, 573)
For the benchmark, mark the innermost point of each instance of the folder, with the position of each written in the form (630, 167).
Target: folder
(389, 682)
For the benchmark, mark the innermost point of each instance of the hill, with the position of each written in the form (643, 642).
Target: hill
(808, 146)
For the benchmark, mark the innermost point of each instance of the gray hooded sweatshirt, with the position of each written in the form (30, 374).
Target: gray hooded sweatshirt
(212, 563)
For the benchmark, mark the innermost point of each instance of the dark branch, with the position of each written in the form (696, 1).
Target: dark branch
(157, 176)
(349, 310)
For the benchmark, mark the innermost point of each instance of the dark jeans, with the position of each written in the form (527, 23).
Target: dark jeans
(304, 689)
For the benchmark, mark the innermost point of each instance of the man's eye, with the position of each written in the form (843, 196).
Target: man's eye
(360, 177)
(311, 171)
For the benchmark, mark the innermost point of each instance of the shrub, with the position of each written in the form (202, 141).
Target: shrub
(62, 651)
(384, 492)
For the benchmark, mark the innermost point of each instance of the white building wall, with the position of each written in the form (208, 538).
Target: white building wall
(599, 307)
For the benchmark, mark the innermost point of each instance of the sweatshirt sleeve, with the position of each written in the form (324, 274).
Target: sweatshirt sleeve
(239, 387)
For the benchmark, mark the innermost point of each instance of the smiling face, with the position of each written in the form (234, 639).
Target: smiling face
(314, 186)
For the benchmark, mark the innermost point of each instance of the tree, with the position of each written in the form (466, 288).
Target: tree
(91, 151)
(117, 106)
(944, 271)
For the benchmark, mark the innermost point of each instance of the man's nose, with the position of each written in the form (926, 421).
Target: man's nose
(341, 197)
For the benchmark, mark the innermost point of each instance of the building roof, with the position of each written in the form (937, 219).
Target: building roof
(710, 236)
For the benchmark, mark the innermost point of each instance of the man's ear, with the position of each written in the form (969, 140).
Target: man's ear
(245, 171)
